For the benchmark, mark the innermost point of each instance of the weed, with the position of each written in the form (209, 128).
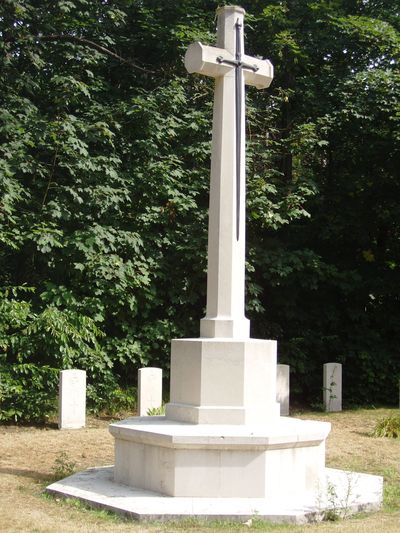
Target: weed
(84, 507)
(332, 513)
(332, 506)
(156, 411)
(213, 525)
(103, 514)
(388, 427)
(63, 466)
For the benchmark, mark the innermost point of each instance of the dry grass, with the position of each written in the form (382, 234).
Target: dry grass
(28, 456)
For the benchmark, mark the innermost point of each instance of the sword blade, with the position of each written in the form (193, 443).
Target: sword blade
(238, 113)
(238, 123)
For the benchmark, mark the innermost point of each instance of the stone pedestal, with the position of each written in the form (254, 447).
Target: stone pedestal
(222, 436)
(223, 381)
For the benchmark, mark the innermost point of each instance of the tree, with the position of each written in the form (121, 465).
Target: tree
(330, 280)
(104, 171)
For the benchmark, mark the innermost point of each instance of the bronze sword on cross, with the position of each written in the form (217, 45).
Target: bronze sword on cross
(238, 64)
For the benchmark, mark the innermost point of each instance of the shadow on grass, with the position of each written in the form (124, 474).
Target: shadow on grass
(31, 474)
(12, 426)
(364, 434)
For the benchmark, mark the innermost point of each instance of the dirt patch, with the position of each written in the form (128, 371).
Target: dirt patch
(30, 455)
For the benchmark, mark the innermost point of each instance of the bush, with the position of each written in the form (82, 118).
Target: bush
(111, 401)
(34, 347)
(27, 392)
(388, 427)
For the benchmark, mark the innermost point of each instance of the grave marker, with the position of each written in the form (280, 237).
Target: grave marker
(72, 399)
(332, 387)
(283, 387)
(149, 389)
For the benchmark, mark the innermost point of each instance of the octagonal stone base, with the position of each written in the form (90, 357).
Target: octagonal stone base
(277, 461)
(97, 488)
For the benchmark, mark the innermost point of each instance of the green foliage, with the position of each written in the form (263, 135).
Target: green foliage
(104, 172)
(118, 401)
(34, 347)
(329, 280)
(27, 392)
(388, 427)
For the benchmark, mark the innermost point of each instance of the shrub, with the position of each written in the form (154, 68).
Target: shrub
(35, 346)
(388, 427)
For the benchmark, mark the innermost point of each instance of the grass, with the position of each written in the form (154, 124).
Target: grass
(391, 491)
(29, 457)
(100, 514)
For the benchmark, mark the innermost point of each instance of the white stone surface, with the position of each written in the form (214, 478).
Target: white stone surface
(203, 59)
(96, 487)
(285, 458)
(332, 387)
(72, 399)
(226, 254)
(283, 388)
(149, 389)
(223, 381)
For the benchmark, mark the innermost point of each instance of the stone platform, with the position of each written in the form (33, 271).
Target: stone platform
(96, 487)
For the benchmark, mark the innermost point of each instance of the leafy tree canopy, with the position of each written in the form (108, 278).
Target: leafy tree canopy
(104, 171)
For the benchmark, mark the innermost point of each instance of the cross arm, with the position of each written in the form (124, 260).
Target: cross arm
(260, 78)
(206, 60)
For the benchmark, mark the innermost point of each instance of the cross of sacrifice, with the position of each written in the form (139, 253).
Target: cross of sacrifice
(232, 69)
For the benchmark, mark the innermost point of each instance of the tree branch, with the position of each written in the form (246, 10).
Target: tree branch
(91, 44)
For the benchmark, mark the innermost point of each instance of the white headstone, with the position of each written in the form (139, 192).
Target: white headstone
(332, 387)
(282, 388)
(72, 399)
(149, 389)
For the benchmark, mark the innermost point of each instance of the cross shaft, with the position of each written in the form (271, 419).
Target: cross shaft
(226, 234)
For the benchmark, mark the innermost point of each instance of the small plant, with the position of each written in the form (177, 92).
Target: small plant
(388, 427)
(156, 411)
(63, 466)
(333, 506)
(333, 512)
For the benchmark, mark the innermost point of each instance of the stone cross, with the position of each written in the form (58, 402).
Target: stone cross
(226, 232)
